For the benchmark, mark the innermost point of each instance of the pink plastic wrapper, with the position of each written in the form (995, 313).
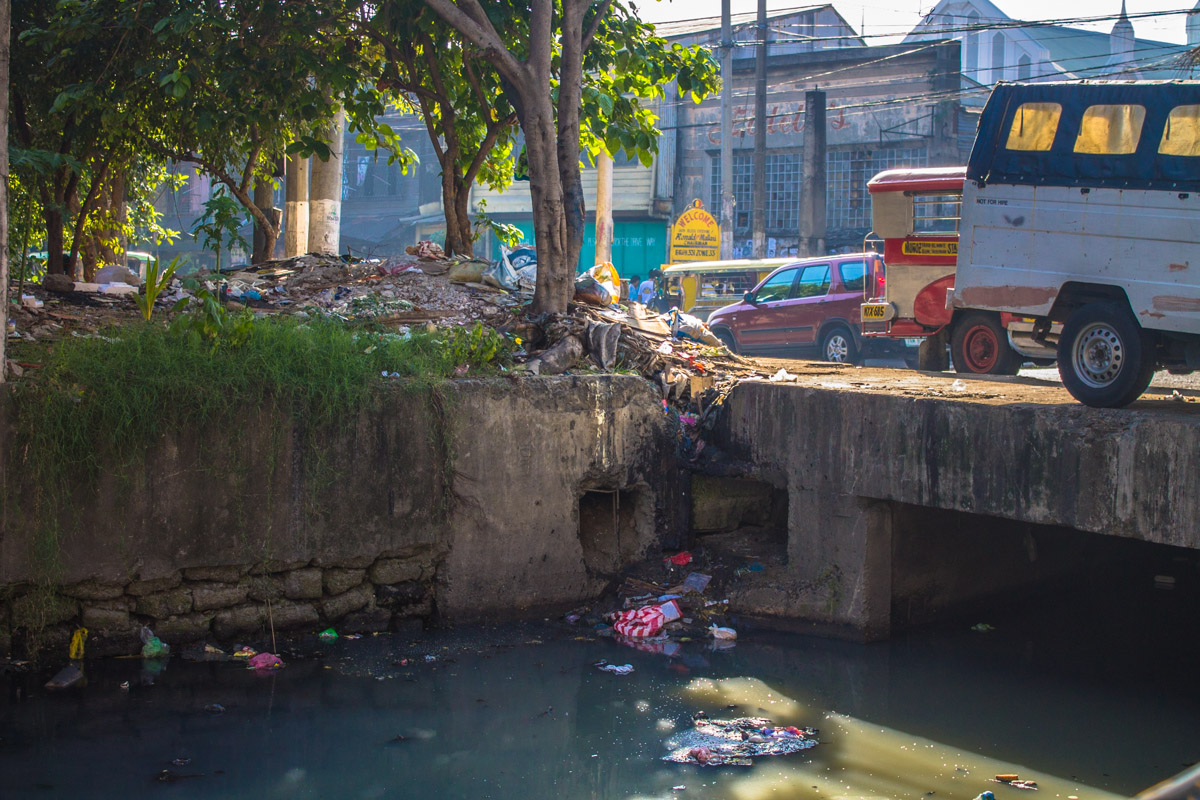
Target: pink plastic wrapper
(265, 661)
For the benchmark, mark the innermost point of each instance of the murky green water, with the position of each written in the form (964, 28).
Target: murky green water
(1090, 705)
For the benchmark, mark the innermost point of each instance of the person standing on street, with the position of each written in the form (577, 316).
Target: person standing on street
(629, 289)
(647, 292)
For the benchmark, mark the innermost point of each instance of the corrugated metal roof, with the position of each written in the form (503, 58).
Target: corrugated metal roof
(1086, 53)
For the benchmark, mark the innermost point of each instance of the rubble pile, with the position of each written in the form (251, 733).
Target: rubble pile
(425, 289)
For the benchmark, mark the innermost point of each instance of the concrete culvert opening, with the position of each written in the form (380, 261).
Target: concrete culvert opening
(741, 514)
(960, 568)
(609, 524)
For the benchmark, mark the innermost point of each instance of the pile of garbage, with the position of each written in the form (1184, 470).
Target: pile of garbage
(736, 742)
(425, 289)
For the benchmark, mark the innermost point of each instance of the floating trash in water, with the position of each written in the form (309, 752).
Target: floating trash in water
(736, 742)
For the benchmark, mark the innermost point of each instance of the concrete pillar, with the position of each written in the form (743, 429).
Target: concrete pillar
(295, 207)
(726, 133)
(604, 219)
(325, 193)
(840, 549)
(759, 229)
(812, 192)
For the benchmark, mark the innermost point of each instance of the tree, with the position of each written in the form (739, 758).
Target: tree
(458, 95)
(248, 81)
(574, 72)
(219, 226)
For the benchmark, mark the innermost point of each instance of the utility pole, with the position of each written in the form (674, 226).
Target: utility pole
(812, 193)
(604, 220)
(295, 207)
(325, 192)
(726, 134)
(759, 237)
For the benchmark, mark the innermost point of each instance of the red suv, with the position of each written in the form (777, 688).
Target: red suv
(808, 306)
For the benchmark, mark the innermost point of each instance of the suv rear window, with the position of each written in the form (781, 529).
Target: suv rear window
(853, 275)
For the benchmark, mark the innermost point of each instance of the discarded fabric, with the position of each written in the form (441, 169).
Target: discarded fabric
(616, 669)
(265, 661)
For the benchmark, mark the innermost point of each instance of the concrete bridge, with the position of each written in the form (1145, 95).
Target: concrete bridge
(902, 503)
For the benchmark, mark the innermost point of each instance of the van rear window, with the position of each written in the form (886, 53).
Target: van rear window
(1181, 136)
(1110, 129)
(1034, 126)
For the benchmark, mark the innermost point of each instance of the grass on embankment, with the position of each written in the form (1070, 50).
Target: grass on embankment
(101, 402)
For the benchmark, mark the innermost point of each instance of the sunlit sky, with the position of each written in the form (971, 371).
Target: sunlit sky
(880, 17)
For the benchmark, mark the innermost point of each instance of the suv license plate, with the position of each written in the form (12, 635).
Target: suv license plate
(912, 342)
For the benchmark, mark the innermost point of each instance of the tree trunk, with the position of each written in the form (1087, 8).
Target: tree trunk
(454, 203)
(556, 265)
(462, 202)
(54, 241)
(570, 97)
(264, 241)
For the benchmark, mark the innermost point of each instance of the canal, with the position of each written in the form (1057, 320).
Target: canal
(1090, 694)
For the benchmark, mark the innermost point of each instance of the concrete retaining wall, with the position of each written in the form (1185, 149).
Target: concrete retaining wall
(467, 512)
(848, 458)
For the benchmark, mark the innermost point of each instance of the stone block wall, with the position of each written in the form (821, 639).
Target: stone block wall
(473, 513)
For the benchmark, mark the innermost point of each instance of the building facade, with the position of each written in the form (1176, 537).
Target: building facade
(887, 106)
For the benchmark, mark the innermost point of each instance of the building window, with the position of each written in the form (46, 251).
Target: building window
(847, 202)
(1110, 129)
(997, 57)
(783, 192)
(971, 51)
(1024, 68)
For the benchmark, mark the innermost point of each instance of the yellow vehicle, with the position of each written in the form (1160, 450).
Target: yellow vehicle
(705, 286)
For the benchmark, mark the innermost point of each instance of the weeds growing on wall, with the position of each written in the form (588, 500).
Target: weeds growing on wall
(100, 403)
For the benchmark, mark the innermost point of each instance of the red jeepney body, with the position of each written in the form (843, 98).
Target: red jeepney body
(916, 215)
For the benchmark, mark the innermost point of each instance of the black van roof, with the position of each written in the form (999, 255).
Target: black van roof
(1146, 168)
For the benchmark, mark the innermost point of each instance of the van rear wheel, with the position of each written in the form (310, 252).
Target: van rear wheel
(1105, 359)
(979, 346)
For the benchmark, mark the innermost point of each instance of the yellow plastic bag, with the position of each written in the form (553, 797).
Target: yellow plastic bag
(75, 651)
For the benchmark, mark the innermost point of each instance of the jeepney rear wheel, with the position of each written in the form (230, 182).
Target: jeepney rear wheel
(1105, 359)
(979, 346)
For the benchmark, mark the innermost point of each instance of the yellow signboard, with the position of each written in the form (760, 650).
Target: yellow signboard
(948, 247)
(695, 236)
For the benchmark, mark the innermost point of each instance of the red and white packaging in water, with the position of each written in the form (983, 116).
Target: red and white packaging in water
(647, 621)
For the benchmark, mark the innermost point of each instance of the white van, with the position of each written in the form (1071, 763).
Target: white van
(1082, 206)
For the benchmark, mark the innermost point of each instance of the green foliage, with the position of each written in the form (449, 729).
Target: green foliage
(218, 227)
(508, 234)
(475, 346)
(156, 281)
